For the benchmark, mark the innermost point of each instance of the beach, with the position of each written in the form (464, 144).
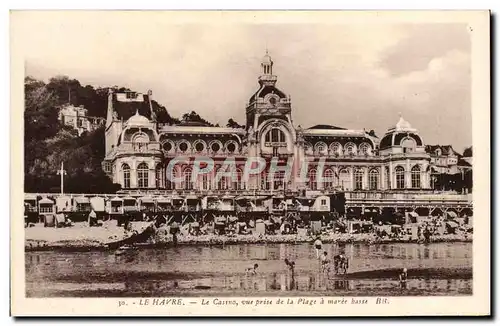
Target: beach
(82, 237)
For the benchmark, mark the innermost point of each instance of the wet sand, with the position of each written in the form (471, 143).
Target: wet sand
(435, 269)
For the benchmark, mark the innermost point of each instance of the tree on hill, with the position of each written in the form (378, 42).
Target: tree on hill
(233, 124)
(468, 152)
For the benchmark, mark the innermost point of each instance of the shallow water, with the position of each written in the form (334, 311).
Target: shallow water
(433, 269)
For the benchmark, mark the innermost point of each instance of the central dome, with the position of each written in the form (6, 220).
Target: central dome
(138, 120)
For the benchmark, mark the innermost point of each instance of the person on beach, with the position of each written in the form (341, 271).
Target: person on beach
(324, 261)
(403, 276)
(252, 270)
(318, 245)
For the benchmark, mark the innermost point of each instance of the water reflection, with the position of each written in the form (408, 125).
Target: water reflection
(222, 268)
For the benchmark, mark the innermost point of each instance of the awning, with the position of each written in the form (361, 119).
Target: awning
(45, 200)
(82, 200)
(116, 199)
(29, 197)
(413, 214)
(148, 200)
(227, 197)
(129, 198)
(163, 200)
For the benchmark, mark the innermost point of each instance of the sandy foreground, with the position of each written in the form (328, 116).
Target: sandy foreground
(80, 236)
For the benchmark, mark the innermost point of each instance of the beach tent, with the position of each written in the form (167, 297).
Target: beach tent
(63, 203)
(82, 204)
(115, 205)
(45, 206)
(129, 204)
(146, 203)
(97, 203)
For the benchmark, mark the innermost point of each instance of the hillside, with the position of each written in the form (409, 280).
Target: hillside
(47, 142)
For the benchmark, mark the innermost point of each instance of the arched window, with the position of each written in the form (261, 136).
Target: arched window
(345, 179)
(373, 179)
(335, 149)
(320, 148)
(126, 175)
(358, 179)
(275, 135)
(142, 175)
(350, 149)
(186, 177)
(408, 145)
(311, 177)
(173, 181)
(400, 177)
(387, 178)
(364, 149)
(224, 181)
(160, 176)
(328, 175)
(415, 177)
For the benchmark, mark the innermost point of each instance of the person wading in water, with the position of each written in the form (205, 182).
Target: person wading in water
(318, 245)
(403, 276)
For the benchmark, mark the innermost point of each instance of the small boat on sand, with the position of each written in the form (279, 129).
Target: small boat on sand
(136, 237)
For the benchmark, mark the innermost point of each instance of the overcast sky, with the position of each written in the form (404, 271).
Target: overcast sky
(353, 76)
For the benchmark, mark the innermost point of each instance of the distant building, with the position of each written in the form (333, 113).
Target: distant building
(445, 160)
(76, 117)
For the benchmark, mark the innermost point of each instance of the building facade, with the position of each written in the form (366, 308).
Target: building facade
(76, 117)
(138, 149)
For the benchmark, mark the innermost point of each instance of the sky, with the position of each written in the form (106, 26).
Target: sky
(349, 75)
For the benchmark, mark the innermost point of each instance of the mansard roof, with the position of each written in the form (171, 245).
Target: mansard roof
(126, 104)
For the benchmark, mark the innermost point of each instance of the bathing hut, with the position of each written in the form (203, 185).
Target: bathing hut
(46, 208)
(320, 209)
(30, 208)
(210, 208)
(63, 203)
(98, 204)
(226, 206)
(191, 209)
(115, 206)
(81, 209)
(146, 204)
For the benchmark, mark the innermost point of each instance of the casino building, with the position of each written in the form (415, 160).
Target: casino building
(138, 149)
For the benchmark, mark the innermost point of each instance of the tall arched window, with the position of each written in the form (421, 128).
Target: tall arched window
(358, 179)
(279, 180)
(126, 175)
(160, 176)
(275, 135)
(335, 149)
(237, 180)
(264, 182)
(373, 179)
(400, 177)
(186, 177)
(328, 175)
(142, 175)
(387, 178)
(311, 177)
(345, 179)
(224, 181)
(175, 176)
(415, 177)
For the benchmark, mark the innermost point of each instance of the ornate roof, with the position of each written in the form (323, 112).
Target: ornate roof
(138, 120)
